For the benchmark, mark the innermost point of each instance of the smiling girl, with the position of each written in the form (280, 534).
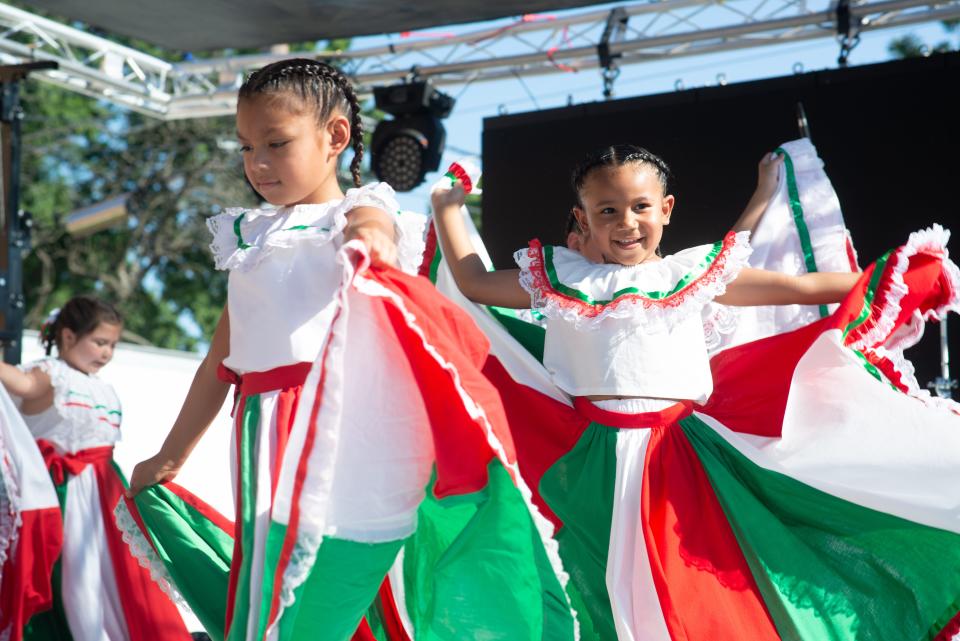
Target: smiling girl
(786, 488)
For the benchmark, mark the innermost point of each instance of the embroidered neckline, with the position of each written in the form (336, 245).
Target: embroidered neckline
(685, 281)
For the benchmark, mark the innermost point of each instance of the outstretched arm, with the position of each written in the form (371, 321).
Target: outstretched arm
(767, 171)
(500, 288)
(762, 287)
(27, 385)
(200, 407)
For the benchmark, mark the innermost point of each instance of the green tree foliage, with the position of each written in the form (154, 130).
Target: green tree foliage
(911, 46)
(156, 265)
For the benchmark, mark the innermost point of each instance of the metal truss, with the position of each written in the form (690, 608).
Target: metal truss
(532, 45)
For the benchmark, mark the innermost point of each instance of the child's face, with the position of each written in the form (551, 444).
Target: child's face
(90, 352)
(287, 157)
(623, 214)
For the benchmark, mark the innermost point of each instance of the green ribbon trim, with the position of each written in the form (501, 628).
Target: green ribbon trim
(687, 279)
(871, 293)
(236, 230)
(797, 208)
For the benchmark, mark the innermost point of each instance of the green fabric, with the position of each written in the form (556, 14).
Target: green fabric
(680, 285)
(529, 335)
(271, 558)
(342, 584)
(468, 572)
(195, 552)
(51, 625)
(829, 569)
(247, 464)
(579, 488)
(796, 208)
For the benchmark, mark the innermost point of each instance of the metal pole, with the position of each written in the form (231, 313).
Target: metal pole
(14, 225)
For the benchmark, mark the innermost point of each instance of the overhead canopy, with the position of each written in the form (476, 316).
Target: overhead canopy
(202, 25)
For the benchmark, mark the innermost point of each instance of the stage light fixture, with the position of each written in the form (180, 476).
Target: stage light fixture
(406, 148)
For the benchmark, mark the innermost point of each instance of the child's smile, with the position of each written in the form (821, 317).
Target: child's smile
(623, 213)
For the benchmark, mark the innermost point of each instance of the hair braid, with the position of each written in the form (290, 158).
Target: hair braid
(318, 83)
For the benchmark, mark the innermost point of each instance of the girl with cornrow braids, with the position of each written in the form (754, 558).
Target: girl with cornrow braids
(363, 425)
(794, 487)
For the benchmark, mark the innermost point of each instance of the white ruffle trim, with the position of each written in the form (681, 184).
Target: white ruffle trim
(653, 315)
(932, 240)
(10, 519)
(411, 230)
(59, 373)
(908, 377)
(144, 553)
(261, 231)
(718, 321)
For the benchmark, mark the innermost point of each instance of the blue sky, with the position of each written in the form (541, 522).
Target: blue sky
(483, 99)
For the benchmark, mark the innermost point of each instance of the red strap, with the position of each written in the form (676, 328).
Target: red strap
(666, 416)
(61, 464)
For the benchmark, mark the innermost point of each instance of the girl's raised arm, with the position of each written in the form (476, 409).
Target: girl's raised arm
(767, 172)
(203, 402)
(501, 287)
(27, 385)
(761, 287)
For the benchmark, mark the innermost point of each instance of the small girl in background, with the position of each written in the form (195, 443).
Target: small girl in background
(100, 592)
(805, 498)
(355, 432)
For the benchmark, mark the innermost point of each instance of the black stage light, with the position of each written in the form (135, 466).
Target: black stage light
(406, 148)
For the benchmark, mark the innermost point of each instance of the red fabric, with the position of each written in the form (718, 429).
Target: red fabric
(26, 588)
(544, 429)
(429, 251)
(460, 442)
(390, 615)
(640, 420)
(150, 615)
(951, 630)
(60, 464)
(694, 555)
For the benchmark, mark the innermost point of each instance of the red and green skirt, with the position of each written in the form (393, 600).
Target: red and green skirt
(389, 455)
(816, 495)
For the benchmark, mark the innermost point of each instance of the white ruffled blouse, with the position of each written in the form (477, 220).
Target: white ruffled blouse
(639, 330)
(284, 274)
(85, 413)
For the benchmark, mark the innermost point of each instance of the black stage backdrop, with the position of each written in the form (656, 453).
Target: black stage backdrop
(888, 134)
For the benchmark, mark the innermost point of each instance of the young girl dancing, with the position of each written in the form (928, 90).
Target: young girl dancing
(99, 592)
(363, 425)
(806, 498)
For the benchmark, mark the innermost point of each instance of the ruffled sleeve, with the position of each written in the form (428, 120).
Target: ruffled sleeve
(564, 285)
(410, 227)
(59, 373)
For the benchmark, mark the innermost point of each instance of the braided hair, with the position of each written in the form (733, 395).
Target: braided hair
(81, 315)
(617, 156)
(316, 83)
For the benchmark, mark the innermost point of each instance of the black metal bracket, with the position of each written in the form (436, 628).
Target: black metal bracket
(802, 125)
(847, 33)
(614, 31)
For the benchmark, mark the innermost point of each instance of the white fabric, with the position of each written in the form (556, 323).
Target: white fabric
(638, 344)
(91, 600)
(776, 245)
(385, 455)
(888, 451)
(634, 405)
(633, 594)
(85, 412)
(284, 275)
